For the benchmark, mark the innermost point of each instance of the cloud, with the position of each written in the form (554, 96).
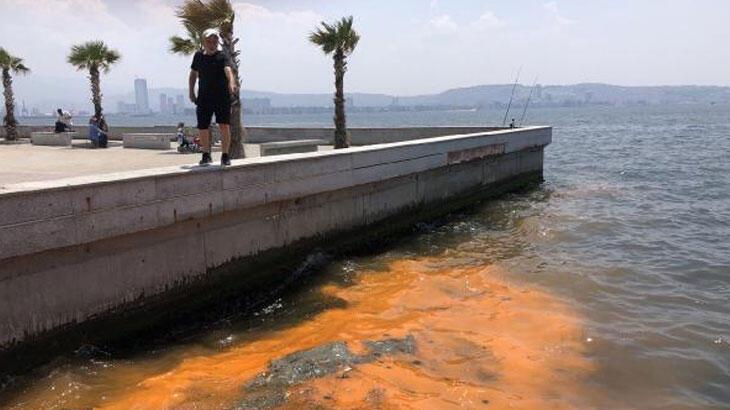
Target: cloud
(559, 19)
(443, 22)
(254, 13)
(158, 11)
(60, 15)
(268, 30)
(488, 20)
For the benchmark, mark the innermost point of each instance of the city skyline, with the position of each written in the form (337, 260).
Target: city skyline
(172, 101)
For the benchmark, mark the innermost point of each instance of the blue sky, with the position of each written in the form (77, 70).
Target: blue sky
(408, 46)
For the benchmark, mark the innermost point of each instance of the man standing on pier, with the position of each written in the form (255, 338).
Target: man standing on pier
(211, 69)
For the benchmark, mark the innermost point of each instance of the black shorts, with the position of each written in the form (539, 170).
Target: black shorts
(205, 111)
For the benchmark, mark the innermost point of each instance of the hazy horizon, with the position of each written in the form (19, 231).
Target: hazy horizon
(409, 48)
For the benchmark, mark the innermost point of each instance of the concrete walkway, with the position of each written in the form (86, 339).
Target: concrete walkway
(24, 162)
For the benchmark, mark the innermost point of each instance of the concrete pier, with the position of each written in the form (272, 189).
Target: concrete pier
(79, 248)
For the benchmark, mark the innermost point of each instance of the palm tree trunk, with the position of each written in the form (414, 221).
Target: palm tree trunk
(95, 90)
(11, 132)
(238, 132)
(341, 140)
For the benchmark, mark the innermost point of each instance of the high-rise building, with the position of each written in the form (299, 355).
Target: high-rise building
(163, 104)
(180, 103)
(171, 109)
(141, 96)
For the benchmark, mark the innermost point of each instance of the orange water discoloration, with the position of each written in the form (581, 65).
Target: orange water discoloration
(481, 338)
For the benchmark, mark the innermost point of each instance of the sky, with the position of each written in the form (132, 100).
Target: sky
(408, 47)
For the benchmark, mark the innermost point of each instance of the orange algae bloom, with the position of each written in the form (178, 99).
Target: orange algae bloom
(481, 340)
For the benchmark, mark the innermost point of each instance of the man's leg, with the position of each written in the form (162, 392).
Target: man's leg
(204, 114)
(223, 118)
(204, 140)
(225, 137)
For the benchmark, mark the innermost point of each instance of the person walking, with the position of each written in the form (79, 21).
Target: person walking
(211, 70)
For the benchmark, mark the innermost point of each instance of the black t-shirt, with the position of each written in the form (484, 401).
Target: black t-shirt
(212, 82)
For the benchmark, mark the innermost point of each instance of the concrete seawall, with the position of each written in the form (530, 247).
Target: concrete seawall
(359, 136)
(74, 249)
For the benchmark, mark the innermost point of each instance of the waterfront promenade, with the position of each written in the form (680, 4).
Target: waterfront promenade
(23, 162)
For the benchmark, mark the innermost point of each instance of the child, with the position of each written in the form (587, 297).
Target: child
(181, 136)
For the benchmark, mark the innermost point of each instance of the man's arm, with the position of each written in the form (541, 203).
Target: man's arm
(192, 79)
(232, 85)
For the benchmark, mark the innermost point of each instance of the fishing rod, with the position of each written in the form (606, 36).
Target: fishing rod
(527, 103)
(511, 97)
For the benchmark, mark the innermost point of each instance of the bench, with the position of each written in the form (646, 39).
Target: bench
(289, 147)
(147, 141)
(61, 139)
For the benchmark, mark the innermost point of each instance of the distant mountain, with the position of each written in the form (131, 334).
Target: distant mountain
(490, 95)
(485, 95)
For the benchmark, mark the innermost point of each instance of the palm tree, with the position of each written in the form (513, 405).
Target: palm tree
(10, 65)
(340, 40)
(94, 56)
(197, 16)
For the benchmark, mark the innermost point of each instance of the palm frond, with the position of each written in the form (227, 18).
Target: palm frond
(184, 46)
(111, 58)
(12, 63)
(220, 7)
(93, 53)
(337, 36)
(349, 37)
(195, 34)
(4, 58)
(325, 37)
(20, 68)
(197, 16)
(222, 14)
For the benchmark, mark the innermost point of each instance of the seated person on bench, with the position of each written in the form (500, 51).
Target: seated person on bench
(64, 121)
(96, 134)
